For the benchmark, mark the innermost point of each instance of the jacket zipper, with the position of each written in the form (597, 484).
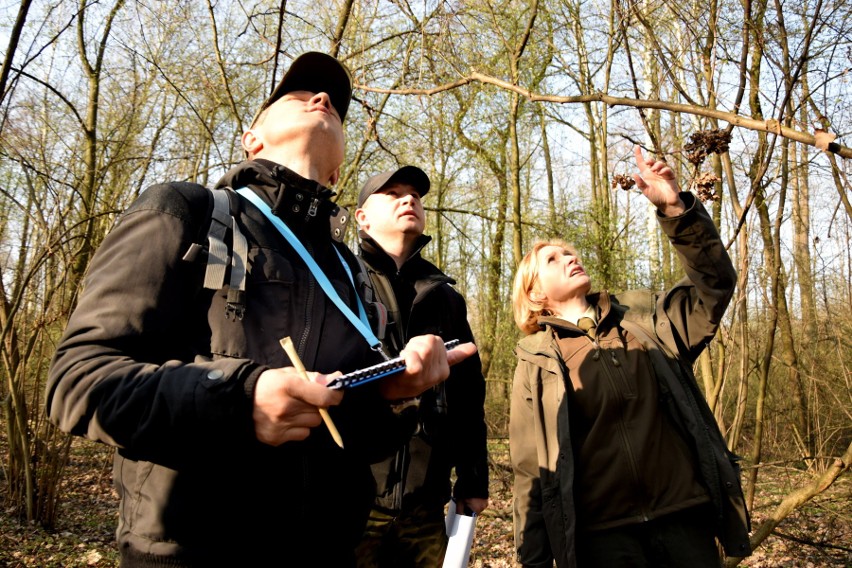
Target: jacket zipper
(308, 305)
(399, 488)
(400, 464)
(631, 458)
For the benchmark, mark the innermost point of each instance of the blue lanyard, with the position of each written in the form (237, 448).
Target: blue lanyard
(361, 322)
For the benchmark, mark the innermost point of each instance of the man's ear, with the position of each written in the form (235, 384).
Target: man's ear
(335, 175)
(252, 144)
(361, 217)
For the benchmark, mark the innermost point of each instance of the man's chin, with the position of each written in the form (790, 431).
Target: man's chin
(413, 229)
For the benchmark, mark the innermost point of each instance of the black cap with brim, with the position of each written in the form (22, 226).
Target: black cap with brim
(411, 175)
(317, 73)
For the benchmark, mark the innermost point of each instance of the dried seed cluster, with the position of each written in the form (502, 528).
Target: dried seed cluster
(625, 182)
(706, 142)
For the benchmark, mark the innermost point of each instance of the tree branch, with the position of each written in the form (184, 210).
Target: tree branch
(796, 499)
(771, 125)
(14, 38)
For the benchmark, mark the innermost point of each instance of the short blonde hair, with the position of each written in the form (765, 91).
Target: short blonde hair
(526, 309)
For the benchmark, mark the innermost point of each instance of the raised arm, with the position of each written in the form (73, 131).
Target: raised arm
(693, 307)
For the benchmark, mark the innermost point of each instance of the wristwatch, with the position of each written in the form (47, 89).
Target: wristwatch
(398, 406)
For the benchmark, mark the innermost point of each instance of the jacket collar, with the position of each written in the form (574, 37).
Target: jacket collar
(538, 343)
(604, 312)
(296, 200)
(415, 266)
(424, 275)
(540, 349)
(541, 342)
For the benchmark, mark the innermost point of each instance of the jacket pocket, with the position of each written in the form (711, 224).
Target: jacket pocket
(141, 487)
(274, 303)
(551, 397)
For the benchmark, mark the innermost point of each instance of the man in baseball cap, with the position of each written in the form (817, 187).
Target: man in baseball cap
(406, 528)
(410, 175)
(300, 125)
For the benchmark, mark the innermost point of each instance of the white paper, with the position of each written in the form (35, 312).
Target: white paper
(460, 529)
(451, 516)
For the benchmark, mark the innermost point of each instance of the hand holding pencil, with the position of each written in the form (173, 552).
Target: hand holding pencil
(287, 407)
(290, 349)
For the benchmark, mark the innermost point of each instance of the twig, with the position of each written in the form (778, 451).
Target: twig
(810, 542)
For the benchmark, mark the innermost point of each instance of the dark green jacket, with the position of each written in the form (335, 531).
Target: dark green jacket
(674, 328)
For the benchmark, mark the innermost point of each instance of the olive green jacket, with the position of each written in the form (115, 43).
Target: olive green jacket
(674, 328)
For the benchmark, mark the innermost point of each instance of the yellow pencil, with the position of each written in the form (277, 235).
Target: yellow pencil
(290, 349)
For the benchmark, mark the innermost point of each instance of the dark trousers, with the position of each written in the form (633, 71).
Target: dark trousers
(679, 540)
(409, 539)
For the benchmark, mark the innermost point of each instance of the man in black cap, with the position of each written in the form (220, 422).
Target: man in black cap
(406, 526)
(221, 459)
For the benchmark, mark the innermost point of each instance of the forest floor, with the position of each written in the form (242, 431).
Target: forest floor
(816, 536)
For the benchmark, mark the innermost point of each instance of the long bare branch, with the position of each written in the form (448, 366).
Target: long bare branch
(220, 63)
(771, 125)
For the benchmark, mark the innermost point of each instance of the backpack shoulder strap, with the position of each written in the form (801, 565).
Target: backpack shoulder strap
(220, 256)
(363, 282)
(386, 298)
(377, 312)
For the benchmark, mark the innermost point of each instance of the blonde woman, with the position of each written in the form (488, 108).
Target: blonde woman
(617, 458)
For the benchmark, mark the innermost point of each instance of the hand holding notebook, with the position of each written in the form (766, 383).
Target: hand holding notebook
(384, 369)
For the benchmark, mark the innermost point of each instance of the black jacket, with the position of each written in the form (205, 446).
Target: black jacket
(451, 431)
(151, 363)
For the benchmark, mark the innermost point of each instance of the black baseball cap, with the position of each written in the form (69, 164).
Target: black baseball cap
(411, 175)
(318, 73)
